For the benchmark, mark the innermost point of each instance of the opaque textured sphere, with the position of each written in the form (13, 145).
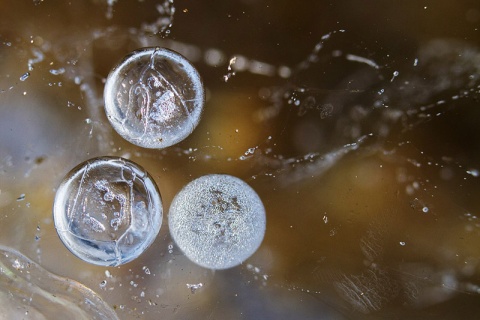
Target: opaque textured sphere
(218, 221)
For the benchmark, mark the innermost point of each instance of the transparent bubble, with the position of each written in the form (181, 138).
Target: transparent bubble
(154, 98)
(28, 291)
(218, 221)
(107, 211)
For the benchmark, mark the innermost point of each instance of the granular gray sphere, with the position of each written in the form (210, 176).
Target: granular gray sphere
(218, 221)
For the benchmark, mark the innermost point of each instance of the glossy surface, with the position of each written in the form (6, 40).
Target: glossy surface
(154, 98)
(107, 211)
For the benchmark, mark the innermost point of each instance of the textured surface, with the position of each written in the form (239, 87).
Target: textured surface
(218, 221)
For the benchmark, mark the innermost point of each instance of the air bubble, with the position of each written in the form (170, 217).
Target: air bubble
(154, 98)
(107, 211)
(218, 221)
(25, 76)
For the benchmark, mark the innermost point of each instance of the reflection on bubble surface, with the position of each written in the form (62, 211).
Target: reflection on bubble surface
(107, 211)
(217, 220)
(154, 98)
(28, 291)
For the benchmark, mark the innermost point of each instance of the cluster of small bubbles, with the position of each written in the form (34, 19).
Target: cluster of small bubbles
(146, 270)
(17, 265)
(257, 274)
(57, 72)
(107, 211)
(474, 221)
(154, 98)
(411, 188)
(473, 173)
(218, 221)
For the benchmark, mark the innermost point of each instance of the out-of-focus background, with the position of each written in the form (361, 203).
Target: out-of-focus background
(357, 123)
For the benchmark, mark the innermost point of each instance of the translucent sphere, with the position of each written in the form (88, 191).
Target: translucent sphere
(218, 221)
(154, 98)
(107, 211)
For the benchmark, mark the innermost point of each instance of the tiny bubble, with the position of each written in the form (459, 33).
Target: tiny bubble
(24, 76)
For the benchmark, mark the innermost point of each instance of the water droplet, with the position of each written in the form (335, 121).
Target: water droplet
(107, 230)
(154, 98)
(218, 221)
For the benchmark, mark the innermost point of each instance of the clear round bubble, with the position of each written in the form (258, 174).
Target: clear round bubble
(154, 98)
(107, 211)
(218, 221)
